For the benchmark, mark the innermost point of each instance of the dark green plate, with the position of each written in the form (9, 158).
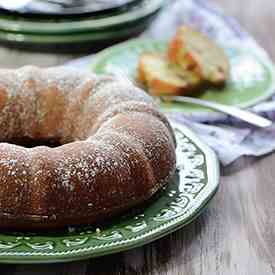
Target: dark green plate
(70, 9)
(136, 14)
(92, 41)
(251, 79)
(187, 194)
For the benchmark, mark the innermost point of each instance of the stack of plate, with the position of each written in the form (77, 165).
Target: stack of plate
(68, 25)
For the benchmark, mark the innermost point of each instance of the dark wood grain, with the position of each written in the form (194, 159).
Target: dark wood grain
(235, 235)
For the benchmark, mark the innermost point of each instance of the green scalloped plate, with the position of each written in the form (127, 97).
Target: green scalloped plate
(251, 79)
(187, 194)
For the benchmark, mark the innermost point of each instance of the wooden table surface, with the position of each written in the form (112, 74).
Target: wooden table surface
(235, 235)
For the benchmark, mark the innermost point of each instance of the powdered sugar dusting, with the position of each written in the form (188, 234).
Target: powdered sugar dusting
(121, 146)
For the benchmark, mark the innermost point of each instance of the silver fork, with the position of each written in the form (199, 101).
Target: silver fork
(244, 115)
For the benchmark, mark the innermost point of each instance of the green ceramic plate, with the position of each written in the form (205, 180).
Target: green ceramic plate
(187, 194)
(124, 32)
(141, 11)
(251, 80)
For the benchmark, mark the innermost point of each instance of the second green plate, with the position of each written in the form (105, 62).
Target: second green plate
(251, 78)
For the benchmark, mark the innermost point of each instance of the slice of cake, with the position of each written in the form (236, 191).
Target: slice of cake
(193, 51)
(162, 78)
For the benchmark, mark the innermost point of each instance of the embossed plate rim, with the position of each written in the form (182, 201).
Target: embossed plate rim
(202, 199)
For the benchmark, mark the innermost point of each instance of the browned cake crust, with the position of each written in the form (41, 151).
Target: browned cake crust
(117, 151)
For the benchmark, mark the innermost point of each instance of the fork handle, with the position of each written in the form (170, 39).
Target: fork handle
(244, 115)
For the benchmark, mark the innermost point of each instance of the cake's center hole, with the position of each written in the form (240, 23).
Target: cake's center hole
(30, 143)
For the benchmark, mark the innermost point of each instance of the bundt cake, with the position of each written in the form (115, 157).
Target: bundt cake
(116, 149)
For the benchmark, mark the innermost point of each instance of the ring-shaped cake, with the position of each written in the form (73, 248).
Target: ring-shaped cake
(116, 148)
